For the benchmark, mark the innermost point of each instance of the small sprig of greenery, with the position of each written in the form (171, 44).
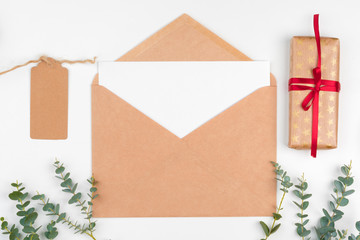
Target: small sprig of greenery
(285, 185)
(341, 190)
(352, 236)
(76, 197)
(303, 205)
(29, 215)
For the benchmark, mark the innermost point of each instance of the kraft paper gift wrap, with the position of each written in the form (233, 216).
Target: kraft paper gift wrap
(303, 59)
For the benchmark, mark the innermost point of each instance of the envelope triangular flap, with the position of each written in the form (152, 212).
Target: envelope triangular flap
(220, 147)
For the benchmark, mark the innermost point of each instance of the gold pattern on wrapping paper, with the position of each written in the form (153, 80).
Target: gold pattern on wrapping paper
(334, 49)
(333, 74)
(320, 115)
(296, 126)
(299, 53)
(332, 98)
(299, 41)
(320, 104)
(311, 60)
(333, 61)
(319, 139)
(296, 113)
(299, 66)
(295, 138)
(306, 132)
(311, 47)
(331, 109)
(323, 66)
(331, 121)
(307, 119)
(330, 134)
(319, 127)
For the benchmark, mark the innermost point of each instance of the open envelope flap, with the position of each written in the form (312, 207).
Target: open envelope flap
(185, 39)
(217, 170)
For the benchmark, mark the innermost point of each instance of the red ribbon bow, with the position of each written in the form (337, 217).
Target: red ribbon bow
(312, 99)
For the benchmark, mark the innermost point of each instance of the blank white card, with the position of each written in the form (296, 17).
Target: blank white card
(181, 96)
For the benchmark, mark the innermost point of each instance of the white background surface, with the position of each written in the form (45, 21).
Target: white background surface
(107, 29)
(182, 96)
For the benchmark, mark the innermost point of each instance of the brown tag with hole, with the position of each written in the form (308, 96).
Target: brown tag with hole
(49, 101)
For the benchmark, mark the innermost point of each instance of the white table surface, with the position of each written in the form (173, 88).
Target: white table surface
(108, 29)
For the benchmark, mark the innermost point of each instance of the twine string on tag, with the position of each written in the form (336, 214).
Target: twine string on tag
(49, 61)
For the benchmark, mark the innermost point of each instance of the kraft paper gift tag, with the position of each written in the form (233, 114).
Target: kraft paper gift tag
(49, 101)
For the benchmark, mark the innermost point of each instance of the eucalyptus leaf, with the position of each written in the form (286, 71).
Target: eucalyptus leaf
(265, 228)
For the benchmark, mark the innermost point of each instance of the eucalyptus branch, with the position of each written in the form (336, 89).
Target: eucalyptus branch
(29, 215)
(285, 183)
(13, 232)
(352, 236)
(54, 210)
(327, 229)
(303, 205)
(69, 187)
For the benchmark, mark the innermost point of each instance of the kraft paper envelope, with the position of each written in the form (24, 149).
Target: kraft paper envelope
(222, 168)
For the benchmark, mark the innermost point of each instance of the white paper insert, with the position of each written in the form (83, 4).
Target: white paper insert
(181, 96)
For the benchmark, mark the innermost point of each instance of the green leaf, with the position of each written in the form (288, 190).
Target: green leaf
(332, 206)
(327, 215)
(66, 183)
(61, 217)
(28, 229)
(16, 195)
(30, 219)
(306, 196)
(265, 228)
(48, 207)
(304, 186)
(343, 201)
(21, 213)
(66, 176)
(339, 186)
(357, 225)
(276, 216)
(305, 205)
(93, 189)
(299, 206)
(302, 215)
(51, 235)
(26, 204)
(38, 197)
(59, 170)
(347, 193)
(324, 221)
(75, 198)
(57, 208)
(74, 188)
(349, 181)
(305, 222)
(336, 217)
(345, 170)
(275, 228)
(297, 193)
(326, 229)
(4, 224)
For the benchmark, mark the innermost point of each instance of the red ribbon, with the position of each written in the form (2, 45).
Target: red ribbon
(312, 99)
